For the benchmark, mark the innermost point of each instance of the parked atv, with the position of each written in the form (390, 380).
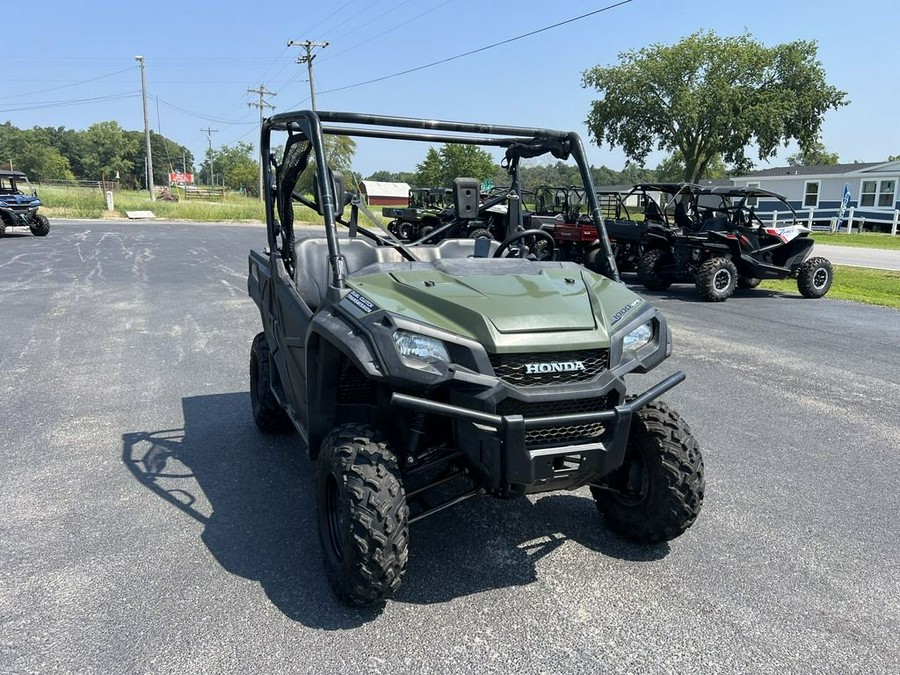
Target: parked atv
(421, 375)
(428, 207)
(19, 204)
(560, 211)
(628, 230)
(719, 243)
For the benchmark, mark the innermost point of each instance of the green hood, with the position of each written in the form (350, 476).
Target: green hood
(514, 303)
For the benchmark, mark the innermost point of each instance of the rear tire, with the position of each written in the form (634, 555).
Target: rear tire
(2, 229)
(481, 233)
(269, 416)
(815, 277)
(657, 493)
(363, 517)
(593, 258)
(716, 279)
(40, 225)
(648, 270)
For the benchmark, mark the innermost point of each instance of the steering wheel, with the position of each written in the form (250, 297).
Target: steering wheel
(547, 252)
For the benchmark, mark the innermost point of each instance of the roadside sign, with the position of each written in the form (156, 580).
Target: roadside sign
(178, 177)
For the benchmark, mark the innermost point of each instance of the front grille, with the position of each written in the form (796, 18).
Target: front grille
(354, 388)
(562, 435)
(511, 368)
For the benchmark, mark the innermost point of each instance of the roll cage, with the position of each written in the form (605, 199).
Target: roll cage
(306, 131)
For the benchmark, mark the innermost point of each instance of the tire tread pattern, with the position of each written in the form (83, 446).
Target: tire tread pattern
(677, 485)
(648, 270)
(806, 277)
(706, 275)
(269, 416)
(376, 548)
(40, 226)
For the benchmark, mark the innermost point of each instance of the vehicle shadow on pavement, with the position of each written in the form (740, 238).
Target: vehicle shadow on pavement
(487, 543)
(254, 494)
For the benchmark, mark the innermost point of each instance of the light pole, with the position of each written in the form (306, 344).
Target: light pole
(140, 59)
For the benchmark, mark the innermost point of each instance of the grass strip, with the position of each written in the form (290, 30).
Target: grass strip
(864, 240)
(859, 284)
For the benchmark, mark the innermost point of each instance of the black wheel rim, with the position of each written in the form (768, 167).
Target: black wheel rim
(820, 278)
(335, 518)
(722, 280)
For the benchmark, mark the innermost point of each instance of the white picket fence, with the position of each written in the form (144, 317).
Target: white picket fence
(851, 220)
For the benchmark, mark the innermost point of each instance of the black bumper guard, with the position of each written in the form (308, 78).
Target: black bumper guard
(511, 429)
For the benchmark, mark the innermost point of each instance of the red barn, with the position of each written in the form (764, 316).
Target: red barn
(378, 193)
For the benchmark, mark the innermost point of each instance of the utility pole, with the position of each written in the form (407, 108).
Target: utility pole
(262, 91)
(140, 59)
(309, 45)
(209, 133)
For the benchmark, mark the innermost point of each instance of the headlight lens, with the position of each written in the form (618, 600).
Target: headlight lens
(639, 337)
(420, 347)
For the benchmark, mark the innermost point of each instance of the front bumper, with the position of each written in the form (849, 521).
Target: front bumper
(18, 215)
(498, 450)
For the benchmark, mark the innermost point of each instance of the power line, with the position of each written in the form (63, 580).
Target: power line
(73, 102)
(389, 30)
(312, 28)
(71, 84)
(356, 15)
(165, 142)
(476, 51)
(201, 116)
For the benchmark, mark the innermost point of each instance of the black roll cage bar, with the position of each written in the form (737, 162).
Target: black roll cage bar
(314, 124)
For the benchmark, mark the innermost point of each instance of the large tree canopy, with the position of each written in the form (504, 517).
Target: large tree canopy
(709, 96)
(453, 160)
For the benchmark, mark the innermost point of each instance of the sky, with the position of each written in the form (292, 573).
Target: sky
(77, 66)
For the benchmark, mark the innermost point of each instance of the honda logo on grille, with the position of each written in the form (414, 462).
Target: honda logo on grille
(554, 367)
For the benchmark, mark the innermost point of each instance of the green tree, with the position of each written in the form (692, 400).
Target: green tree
(468, 161)
(709, 96)
(340, 151)
(441, 167)
(109, 148)
(815, 155)
(231, 166)
(430, 171)
(167, 156)
(27, 151)
(672, 169)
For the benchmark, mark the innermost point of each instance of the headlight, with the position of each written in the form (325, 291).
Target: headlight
(419, 347)
(639, 337)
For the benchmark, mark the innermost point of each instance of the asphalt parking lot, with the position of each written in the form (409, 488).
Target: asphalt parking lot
(147, 526)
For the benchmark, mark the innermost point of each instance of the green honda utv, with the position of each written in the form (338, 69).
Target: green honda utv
(421, 375)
